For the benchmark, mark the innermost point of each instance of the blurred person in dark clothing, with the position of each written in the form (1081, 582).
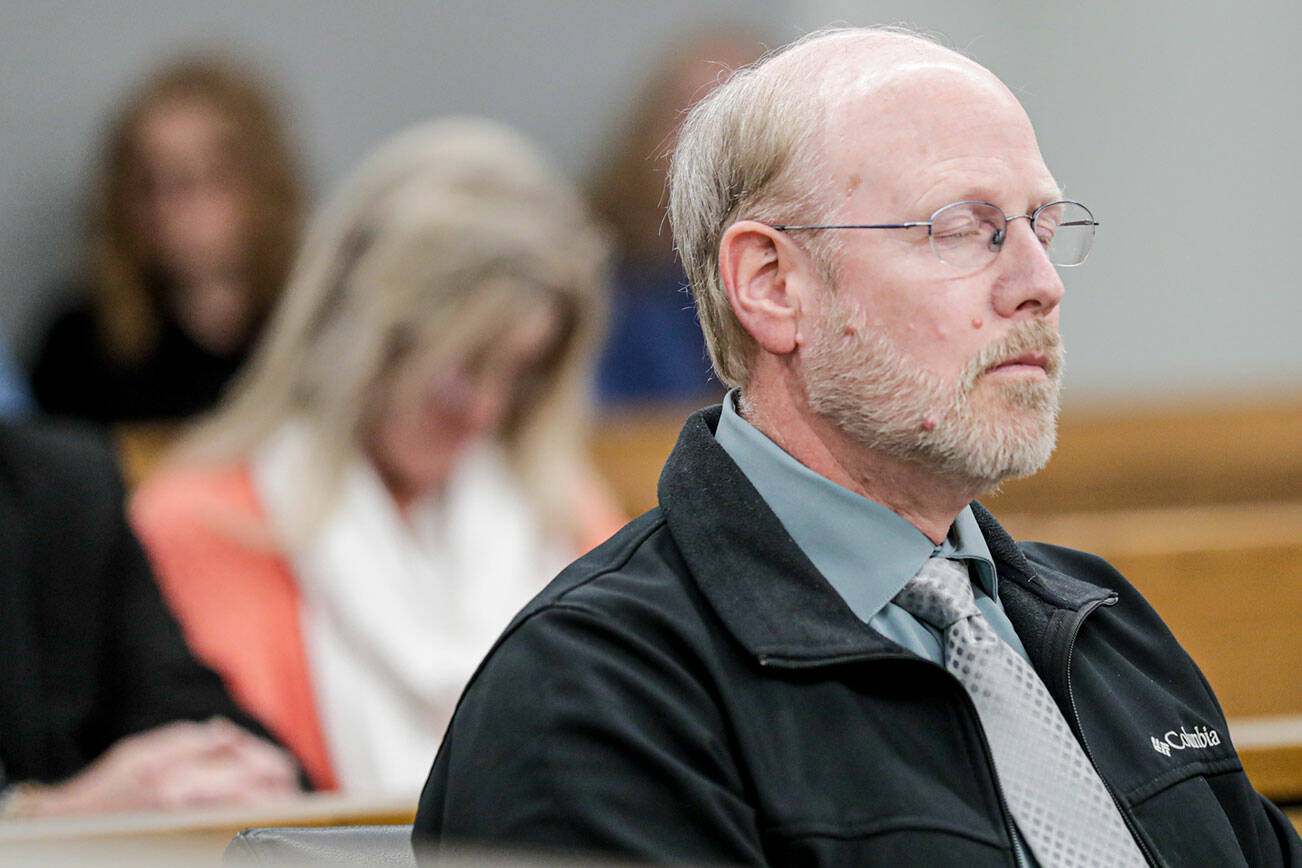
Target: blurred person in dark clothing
(193, 223)
(655, 350)
(102, 706)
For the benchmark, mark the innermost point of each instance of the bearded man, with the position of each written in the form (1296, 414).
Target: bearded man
(820, 649)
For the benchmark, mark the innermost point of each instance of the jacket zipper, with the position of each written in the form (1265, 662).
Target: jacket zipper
(1073, 630)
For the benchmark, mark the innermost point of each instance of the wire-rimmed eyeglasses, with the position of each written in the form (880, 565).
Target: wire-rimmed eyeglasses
(970, 234)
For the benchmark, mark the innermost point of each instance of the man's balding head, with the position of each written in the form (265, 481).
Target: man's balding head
(757, 148)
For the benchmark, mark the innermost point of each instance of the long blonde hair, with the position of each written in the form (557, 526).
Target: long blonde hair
(442, 234)
(126, 305)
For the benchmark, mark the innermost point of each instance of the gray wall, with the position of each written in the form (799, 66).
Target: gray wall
(350, 73)
(1176, 122)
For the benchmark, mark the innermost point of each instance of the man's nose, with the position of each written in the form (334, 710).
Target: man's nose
(1028, 281)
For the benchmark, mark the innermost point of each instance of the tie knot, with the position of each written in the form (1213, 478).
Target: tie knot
(940, 594)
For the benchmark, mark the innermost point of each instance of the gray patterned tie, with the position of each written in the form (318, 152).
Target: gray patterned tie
(1059, 802)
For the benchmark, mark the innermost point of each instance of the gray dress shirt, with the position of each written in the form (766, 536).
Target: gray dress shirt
(864, 550)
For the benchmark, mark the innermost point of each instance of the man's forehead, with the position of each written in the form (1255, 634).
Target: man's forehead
(928, 118)
(923, 102)
(895, 92)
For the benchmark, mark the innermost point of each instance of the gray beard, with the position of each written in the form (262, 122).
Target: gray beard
(984, 431)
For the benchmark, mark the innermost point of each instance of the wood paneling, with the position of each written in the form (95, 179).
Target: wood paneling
(141, 445)
(1203, 451)
(1197, 452)
(631, 446)
(1271, 750)
(1227, 580)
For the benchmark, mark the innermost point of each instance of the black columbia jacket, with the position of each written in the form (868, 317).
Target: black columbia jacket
(695, 690)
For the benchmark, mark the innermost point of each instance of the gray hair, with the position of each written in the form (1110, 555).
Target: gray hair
(749, 150)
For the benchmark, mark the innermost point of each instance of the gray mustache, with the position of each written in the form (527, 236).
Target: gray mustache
(1036, 335)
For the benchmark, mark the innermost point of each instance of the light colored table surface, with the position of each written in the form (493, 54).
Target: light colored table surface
(311, 809)
(181, 838)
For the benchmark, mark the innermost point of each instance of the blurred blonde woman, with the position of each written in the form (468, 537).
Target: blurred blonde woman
(402, 466)
(194, 219)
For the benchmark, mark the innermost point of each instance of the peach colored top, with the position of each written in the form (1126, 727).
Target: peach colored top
(237, 599)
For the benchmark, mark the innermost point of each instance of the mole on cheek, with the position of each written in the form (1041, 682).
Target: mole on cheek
(855, 181)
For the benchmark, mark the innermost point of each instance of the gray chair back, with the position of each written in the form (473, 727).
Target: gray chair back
(381, 846)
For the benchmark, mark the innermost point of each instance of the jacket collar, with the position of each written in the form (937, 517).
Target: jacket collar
(767, 592)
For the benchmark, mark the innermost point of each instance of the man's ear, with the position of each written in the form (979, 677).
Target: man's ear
(766, 275)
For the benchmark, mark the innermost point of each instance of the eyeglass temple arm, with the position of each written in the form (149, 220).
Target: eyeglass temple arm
(785, 228)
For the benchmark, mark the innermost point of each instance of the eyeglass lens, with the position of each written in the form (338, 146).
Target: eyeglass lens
(970, 234)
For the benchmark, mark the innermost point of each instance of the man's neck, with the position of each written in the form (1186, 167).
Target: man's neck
(926, 500)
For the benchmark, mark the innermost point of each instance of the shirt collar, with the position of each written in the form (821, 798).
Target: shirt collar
(864, 550)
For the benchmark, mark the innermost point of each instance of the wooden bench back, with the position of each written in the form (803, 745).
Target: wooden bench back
(1204, 451)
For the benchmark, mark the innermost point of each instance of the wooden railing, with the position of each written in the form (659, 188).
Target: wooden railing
(1186, 453)
(1197, 451)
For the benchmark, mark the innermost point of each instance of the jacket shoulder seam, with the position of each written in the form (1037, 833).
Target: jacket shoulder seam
(561, 601)
(607, 569)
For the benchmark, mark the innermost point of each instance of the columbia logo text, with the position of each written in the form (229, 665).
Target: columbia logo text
(1200, 739)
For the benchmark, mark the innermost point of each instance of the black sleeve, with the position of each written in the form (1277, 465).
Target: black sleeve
(1265, 834)
(155, 677)
(149, 675)
(92, 654)
(1279, 829)
(579, 735)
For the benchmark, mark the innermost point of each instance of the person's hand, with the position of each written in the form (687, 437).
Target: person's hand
(180, 765)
